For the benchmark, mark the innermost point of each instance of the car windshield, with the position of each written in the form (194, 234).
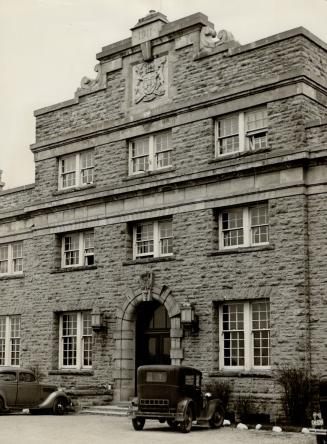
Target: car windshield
(7, 376)
(156, 377)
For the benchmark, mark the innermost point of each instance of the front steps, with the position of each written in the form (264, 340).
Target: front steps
(113, 409)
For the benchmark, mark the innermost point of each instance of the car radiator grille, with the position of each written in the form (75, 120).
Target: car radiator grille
(154, 405)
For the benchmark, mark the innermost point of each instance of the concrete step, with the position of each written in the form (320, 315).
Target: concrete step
(120, 409)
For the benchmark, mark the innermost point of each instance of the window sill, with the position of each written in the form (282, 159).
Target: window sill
(68, 270)
(238, 154)
(72, 371)
(149, 260)
(73, 189)
(5, 277)
(241, 250)
(242, 373)
(149, 174)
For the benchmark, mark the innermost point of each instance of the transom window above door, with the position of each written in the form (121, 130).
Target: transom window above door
(150, 153)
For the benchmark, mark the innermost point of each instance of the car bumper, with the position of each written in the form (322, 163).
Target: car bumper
(320, 432)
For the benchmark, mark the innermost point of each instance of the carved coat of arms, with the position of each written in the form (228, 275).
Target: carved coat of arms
(146, 283)
(149, 80)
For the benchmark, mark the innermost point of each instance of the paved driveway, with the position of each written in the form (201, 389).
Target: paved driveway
(91, 429)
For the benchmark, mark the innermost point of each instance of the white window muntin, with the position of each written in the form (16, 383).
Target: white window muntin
(244, 335)
(153, 238)
(11, 258)
(75, 340)
(77, 249)
(240, 132)
(76, 170)
(243, 226)
(150, 153)
(10, 340)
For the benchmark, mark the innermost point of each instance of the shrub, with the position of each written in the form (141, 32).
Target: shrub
(297, 394)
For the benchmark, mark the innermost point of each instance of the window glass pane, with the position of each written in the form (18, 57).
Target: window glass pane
(87, 167)
(256, 119)
(232, 227)
(259, 224)
(4, 259)
(69, 333)
(2, 339)
(71, 249)
(166, 236)
(68, 171)
(89, 248)
(17, 249)
(15, 339)
(228, 126)
(140, 155)
(144, 238)
(261, 333)
(163, 149)
(156, 377)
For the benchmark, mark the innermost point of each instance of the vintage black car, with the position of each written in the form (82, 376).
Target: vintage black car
(20, 389)
(173, 393)
(319, 421)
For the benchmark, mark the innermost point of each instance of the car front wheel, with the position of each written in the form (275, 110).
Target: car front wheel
(138, 423)
(186, 425)
(2, 406)
(59, 406)
(217, 418)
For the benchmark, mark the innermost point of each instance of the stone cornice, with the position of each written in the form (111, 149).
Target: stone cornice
(289, 78)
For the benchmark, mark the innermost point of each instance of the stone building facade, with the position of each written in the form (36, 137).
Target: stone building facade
(187, 179)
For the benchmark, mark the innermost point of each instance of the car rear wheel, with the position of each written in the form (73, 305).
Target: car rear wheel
(186, 425)
(217, 418)
(138, 423)
(59, 406)
(2, 406)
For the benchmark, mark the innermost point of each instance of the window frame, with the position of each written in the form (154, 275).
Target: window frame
(11, 258)
(248, 331)
(244, 134)
(247, 226)
(80, 342)
(82, 255)
(10, 348)
(152, 154)
(78, 170)
(156, 239)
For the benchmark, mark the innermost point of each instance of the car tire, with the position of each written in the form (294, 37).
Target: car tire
(59, 406)
(186, 425)
(217, 419)
(138, 423)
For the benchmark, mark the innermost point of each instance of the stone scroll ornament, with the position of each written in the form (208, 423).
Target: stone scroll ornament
(149, 80)
(146, 283)
(209, 39)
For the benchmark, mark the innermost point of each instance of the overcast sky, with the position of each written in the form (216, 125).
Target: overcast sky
(47, 46)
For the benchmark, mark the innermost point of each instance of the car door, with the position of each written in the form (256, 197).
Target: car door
(8, 386)
(28, 390)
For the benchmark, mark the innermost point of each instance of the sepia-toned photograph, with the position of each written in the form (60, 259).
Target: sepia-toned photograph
(163, 222)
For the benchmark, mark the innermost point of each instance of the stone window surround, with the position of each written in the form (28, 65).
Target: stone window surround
(156, 238)
(81, 250)
(78, 170)
(248, 369)
(79, 343)
(11, 258)
(243, 133)
(152, 153)
(246, 227)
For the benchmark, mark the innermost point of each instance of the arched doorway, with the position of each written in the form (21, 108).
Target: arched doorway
(152, 334)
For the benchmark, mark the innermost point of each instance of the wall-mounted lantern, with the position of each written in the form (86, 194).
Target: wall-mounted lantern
(97, 321)
(189, 319)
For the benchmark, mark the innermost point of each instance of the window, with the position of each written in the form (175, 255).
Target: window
(76, 170)
(150, 153)
(78, 249)
(244, 226)
(246, 131)
(75, 340)
(153, 239)
(9, 340)
(245, 335)
(11, 258)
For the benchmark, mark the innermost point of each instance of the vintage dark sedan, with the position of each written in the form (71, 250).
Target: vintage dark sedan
(173, 393)
(20, 389)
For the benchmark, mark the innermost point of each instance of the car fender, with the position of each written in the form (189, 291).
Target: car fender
(181, 408)
(48, 402)
(210, 408)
